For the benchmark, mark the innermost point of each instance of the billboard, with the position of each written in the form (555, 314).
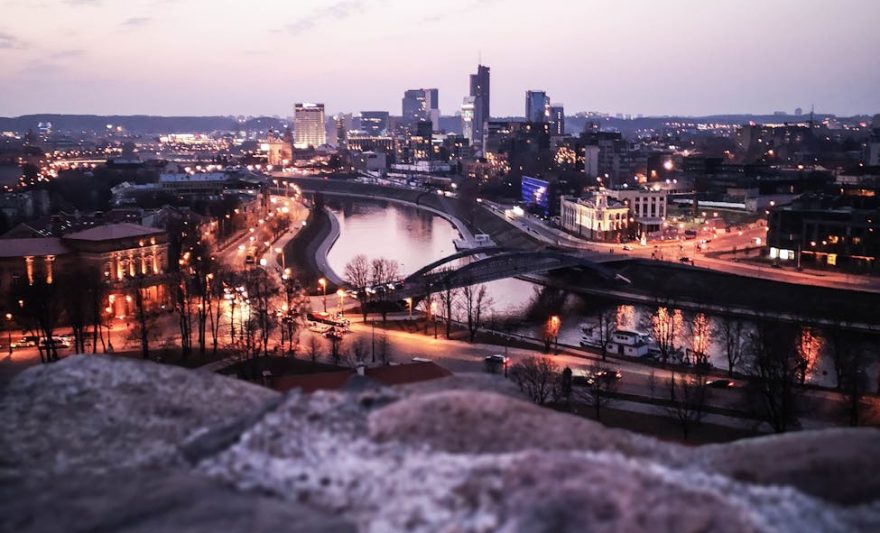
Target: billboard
(535, 194)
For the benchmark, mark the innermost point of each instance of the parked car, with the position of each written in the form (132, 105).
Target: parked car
(56, 341)
(684, 259)
(627, 247)
(609, 374)
(28, 341)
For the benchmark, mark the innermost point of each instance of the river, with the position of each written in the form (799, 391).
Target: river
(414, 238)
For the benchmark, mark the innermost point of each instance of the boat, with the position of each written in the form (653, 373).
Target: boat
(627, 342)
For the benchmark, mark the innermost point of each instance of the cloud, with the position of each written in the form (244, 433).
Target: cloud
(10, 42)
(339, 10)
(64, 54)
(134, 22)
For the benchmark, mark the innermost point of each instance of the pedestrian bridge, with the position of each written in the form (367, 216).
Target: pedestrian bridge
(498, 263)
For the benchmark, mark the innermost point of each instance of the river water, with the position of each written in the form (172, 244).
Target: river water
(414, 238)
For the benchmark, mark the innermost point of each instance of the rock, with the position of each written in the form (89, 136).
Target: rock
(478, 422)
(148, 502)
(97, 413)
(838, 465)
(472, 381)
(99, 444)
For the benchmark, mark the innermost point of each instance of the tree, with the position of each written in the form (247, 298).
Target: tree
(551, 332)
(448, 298)
(384, 273)
(687, 399)
(81, 299)
(536, 377)
(144, 319)
(606, 325)
(383, 349)
(700, 336)
(476, 303)
(601, 385)
(732, 336)
(666, 327)
(853, 379)
(775, 370)
(40, 310)
(313, 349)
(359, 349)
(357, 274)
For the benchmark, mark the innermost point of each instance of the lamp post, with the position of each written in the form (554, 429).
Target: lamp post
(9, 333)
(341, 294)
(409, 304)
(323, 284)
(434, 317)
(280, 252)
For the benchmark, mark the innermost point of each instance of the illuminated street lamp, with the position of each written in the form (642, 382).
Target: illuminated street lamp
(9, 332)
(409, 304)
(323, 284)
(280, 252)
(434, 317)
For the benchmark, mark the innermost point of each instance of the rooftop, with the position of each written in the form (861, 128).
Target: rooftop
(110, 232)
(36, 247)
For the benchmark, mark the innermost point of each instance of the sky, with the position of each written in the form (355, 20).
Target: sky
(258, 57)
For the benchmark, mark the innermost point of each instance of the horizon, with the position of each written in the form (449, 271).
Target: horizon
(152, 57)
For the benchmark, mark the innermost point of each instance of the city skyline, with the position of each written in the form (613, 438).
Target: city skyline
(154, 57)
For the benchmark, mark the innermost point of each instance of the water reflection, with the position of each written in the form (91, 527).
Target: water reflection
(415, 238)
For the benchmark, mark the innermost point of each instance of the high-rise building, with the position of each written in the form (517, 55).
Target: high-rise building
(343, 126)
(374, 122)
(308, 125)
(468, 113)
(421, 104)
(557, 120)
(480, 94)
(537, 106)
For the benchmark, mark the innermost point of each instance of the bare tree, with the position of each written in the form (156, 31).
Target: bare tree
(360, 349)
(313, 349)
(853, 378)
(448, 298)
(384, 273)
(700, 334)
(601, 385)
(383, 349)
(666, 327)
(775, 371)
(605, 326)
(687, 400)
(357, 274)
(40, 310)
(537, 377)
(732, 335)
(476, 303)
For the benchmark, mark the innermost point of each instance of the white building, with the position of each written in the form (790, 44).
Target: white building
(467, 118)
(647, 206)
(597, 218)
(308, 126)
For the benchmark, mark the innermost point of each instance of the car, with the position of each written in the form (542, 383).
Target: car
(684, 259)
(609, 374)
(627, 247)
(775, 265)
(56, 342)
(721, 384)
(28, 341)
(497, 358)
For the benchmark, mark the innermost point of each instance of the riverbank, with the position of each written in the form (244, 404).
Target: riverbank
(307, 251)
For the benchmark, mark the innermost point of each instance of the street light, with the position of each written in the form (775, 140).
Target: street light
(409, 304)
(9, 332)
(434, 317)
(341, 294)
(323, 284)
(280, 252)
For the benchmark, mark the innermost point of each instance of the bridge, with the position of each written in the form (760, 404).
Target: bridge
(498, 263)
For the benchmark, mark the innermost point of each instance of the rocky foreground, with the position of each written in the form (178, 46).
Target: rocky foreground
(101, 444)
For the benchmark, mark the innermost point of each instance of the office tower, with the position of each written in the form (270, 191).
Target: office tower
(421, 104)
(343, 126)
(537, 106)
(468, 112)
(480, 94)
(374, 122)
(557, 120)
(308, 125)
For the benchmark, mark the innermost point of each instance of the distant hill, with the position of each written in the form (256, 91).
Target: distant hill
(145, 124)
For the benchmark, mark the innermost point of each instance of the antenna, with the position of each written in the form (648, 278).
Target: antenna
(479, 57)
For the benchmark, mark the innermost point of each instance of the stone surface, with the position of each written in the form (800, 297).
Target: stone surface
(122, 445)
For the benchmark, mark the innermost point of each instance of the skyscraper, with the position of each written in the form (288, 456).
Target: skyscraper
(480, 94)
(308, 125)
(374, 122)
(468, 114)
(537, 106)
(421, 104)
(557, 120)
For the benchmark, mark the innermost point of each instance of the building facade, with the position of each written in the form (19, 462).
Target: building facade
(308, 126)
(647, 206)
(596, 218)
(537, 106)
(480, 94)
(374, 122)
(421, 104)
(557, 120)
